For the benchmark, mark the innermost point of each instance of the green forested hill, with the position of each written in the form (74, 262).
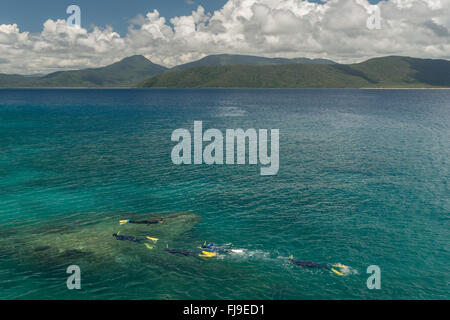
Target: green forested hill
(403, 72)
(406, 72)
(237, 59)
(124, 73)
(249, 72)
(271, 76)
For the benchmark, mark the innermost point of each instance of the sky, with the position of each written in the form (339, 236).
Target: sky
(31, 14)
(34, 36)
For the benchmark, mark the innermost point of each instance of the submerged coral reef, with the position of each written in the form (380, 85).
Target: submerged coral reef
(91, 244)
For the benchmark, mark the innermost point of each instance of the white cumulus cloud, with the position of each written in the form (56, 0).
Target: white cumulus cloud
(283, 28)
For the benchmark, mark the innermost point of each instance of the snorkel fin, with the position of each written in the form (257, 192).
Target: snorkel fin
(207, 254)
(341, 267)
(337, 272)
(153, 239)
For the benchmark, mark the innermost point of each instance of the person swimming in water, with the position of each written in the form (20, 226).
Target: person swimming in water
(309, 264)
(134, 239)
(146, 222)
(125, 238)
(210, 247)
(180, 251)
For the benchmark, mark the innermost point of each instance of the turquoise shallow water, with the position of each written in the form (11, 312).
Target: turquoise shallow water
(363, 180)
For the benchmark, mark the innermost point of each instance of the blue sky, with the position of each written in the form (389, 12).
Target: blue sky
(30, 15)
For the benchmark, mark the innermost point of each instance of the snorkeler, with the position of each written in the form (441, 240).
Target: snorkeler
(179, 251)
(147, 222)
(211, 248)
(133, 238)
(310, 264)
(125, 238)
(203, 254)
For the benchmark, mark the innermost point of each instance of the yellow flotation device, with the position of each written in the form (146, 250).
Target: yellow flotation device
(148, 246)
(206, 254)
(153, 239)
(123, 221)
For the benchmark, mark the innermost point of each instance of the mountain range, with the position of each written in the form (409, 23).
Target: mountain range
(240, 71)
(237, 59)
(125, 73)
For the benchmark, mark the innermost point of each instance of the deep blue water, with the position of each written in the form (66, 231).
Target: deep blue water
(363, 180)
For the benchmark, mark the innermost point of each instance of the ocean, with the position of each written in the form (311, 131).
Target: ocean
(363, 180)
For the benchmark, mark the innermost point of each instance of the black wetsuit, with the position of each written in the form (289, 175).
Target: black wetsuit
(308, 264)
(125, 238)
(144, 222)
(180, 251)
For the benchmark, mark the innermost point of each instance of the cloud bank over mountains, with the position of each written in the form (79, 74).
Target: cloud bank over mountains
(274, 28)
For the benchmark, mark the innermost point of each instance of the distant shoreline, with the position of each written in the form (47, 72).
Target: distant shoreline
(255, 88)
(248, 72)
(426, 88)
